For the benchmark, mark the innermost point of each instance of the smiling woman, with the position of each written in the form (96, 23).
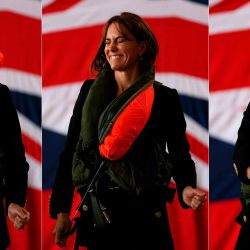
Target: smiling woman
(115, 150)
(122, 50)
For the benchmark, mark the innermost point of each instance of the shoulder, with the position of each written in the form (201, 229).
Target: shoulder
(4, 93)
(3, 88)
(164, 92)
(86, 85)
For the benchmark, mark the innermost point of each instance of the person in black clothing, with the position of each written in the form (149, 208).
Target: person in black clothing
(13, 169)
(137, 211)
(241, 159)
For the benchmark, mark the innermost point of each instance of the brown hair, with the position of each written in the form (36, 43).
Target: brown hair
(142, 33)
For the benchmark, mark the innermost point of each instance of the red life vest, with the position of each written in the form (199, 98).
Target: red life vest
(128, 125)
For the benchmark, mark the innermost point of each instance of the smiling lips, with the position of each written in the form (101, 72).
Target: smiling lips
(115, 56)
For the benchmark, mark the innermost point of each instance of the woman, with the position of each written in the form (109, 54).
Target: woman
(126, 205)
(241, 159)
(13, 169)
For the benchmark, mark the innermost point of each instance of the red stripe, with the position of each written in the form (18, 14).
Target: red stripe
(183, 46)
(31, 147)
(67, 55)
(229, 60)
(59, 5)
(20, 42)
(189, 228)
(30, 238)
(197, 148)
(227, 5)
(222, 227)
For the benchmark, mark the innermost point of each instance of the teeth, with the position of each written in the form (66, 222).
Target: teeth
(114, 57)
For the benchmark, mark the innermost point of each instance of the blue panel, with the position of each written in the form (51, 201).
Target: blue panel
(223, 181)
(195, 108)
(28, 105)
(53, 145)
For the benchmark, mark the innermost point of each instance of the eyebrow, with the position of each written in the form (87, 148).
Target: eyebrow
(122, 36)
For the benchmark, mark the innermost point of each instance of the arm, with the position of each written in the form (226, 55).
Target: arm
(241, 156)
(184, 168)
(62, 192)
(63, 189)
(16, 167)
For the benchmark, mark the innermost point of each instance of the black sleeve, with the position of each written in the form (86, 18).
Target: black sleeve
(63, 189)
(241, 156)
(184, 172)
(16, 167)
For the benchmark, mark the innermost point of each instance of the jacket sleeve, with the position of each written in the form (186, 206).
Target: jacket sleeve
(16, 167)
(241, 156)
(184, 172)
(63, 189)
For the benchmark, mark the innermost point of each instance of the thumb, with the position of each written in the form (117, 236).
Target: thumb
(199, 192)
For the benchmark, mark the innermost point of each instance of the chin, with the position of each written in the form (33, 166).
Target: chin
(115, 67)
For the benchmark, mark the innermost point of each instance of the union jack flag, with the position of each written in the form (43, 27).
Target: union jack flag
(20, 44)
(71, 35)
(71, 31)
(229, 79)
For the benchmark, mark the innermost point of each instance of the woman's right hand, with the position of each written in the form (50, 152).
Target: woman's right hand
(62, 229)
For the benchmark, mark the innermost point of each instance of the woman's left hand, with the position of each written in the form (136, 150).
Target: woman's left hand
(19, 216)
(194, 197)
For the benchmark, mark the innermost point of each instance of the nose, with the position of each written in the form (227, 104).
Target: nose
(112, 46)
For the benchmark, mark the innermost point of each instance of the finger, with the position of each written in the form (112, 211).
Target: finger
(196, 204)
(21, 220)
(200, 198)
(26, 213)
(57, 236)
(199, 193)
(61, 242)
(20, 213)
(18, 224)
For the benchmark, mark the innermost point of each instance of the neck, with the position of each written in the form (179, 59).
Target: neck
(124, 79)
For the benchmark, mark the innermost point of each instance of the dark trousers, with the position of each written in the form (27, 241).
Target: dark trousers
(138, 223)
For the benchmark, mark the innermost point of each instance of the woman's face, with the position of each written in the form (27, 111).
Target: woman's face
(121, 48)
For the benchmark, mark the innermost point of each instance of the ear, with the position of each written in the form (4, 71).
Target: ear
(143, 47)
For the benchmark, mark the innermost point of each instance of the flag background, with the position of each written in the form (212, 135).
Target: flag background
(71, 35)
(229, 82)
(71, 32)
(20, 43)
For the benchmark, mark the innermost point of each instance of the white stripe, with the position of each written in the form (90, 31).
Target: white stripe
(28, 8)
(197, 131)
(230, 21)
(34, 174)
(30, 128)
(58, 103)
(21, 81)
(185, 84)
(202, 171)
(88, 13)
(226, 112)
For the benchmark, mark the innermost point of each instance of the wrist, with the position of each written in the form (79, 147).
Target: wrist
(62, 215)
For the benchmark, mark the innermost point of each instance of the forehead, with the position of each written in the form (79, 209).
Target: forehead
(116, 29)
